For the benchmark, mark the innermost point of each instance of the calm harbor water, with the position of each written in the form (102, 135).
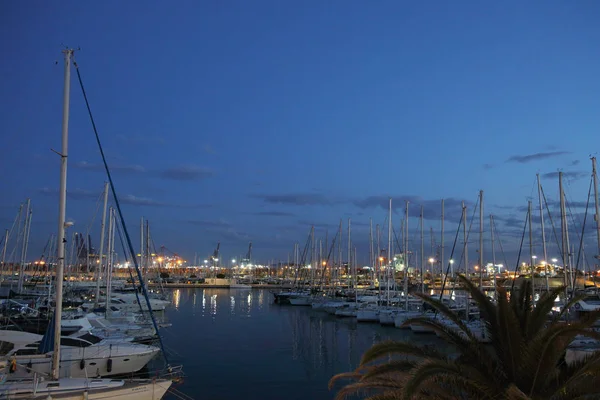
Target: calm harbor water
(236, 343)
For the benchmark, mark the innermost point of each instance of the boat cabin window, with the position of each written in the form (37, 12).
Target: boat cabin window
(25, 352)
(90, 338)
(5, 347)
(53, 384)
(74, 342)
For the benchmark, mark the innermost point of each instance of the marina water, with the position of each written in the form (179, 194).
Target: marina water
(236, 343)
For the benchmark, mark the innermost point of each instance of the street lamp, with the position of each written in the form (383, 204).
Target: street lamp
(451, 267)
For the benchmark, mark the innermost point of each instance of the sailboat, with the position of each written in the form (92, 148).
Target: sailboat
(73, 388)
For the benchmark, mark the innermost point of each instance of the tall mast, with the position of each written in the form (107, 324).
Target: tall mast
(406, 260)
(493, 254)
(142, 248)
(24, 248)
(465, 241)
(109, 256)
(371, 248)
(481, 239)
(539, 184)
(531, 259)
(389, 253)
(563, 229)
(350, 269)
(62, 210)
(6, 234)
(340, 257)
(98, 272)
(597, 216)
(442, 265)
(422, 251)
(377, 262)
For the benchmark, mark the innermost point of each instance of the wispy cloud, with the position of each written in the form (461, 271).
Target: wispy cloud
(275, 213)
(80, 194)
(210, 224)
(568, 174)
(523, 159)
(488, 166)
(134, 138)
(300, 199)
(432, 209)
(187, 173)
(574, 163)
(84, 165)
(208, 149)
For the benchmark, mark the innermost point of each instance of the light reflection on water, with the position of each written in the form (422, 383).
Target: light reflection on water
(243, 345)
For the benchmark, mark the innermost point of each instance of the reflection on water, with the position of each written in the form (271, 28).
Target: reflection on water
(243, 337)
(176, 297)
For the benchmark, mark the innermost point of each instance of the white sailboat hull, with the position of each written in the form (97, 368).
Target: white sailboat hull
(367, 315)
(301, 301)
(81, 389)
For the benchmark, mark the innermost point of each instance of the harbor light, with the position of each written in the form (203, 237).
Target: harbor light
(451, 261)
(233, 261)
(554, 260)
(324, 263)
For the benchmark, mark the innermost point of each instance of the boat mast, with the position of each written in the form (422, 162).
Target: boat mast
(442, 248)
(539, 184)
(493, 254)
(6, 233)
(422, 252)
(371, 249)
(350, 256)
(389, 253)
(406, 260)
(109, 256)
(98, 271)
(466, 253)
(24, 248)
(465, 242)
(142, 248)
(563, 229)
(597, 216)
(62, 209)
(377, 260)
(481, 239)
(531, 259)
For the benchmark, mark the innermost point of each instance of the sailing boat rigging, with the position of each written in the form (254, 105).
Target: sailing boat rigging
(73, 388)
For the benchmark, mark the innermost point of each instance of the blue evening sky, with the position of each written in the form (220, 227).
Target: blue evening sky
(249, 121)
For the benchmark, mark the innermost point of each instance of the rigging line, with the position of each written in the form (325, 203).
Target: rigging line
(520, 250)
(469, 231)
(118, 205)
(497, 236)
(137, 297)
(579, 253)
(449, 263)
(558, 244)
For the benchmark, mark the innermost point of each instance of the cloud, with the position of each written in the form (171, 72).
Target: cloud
(574, 163)
(81, 194)
(536, 156)
(84, 165)
(275, 213)
(140, 201)
(186, 173)
(300, 199)
(210, 224)
(432, 209)
(147, 139)
(569, 175)
(487, 166)
(208, 149)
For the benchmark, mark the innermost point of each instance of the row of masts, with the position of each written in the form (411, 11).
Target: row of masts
(445, 268)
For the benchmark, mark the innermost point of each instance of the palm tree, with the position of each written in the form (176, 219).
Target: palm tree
(525, 359)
